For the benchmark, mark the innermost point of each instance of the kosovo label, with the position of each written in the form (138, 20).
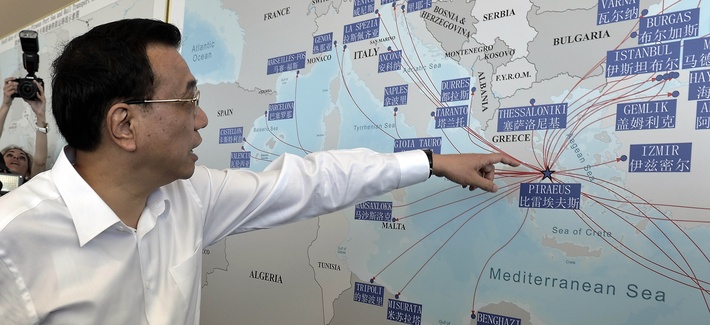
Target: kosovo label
(322, 43)
(702, 118)
(614, 11)
(418, 143)
(240, 159)
(285, 63)
(404, 312)
(369, 294)
(550, 196)
(451, 117)
(362, 7)
(281, 111)
(374, 211)
(696, 53)
(699, 85)
(651, 115)
(416, 5)
(231, 135)
(361, 30)
(389, 61)
(643, 59)
(396, 95)
(493, 319)
(660, 158)
(455, 90)
(535, 117)
(669, 26)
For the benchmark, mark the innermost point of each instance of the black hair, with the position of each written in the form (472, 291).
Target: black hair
(100, 68)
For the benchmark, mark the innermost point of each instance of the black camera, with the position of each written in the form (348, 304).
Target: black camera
(26, 87)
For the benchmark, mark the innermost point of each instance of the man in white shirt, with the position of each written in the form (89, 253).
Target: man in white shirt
(113, 234)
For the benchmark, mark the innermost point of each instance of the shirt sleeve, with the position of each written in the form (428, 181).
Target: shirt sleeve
(293, 188)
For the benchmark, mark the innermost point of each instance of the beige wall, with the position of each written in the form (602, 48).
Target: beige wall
(16, 14)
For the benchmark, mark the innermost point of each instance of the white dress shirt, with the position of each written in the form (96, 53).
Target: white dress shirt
(66, 258)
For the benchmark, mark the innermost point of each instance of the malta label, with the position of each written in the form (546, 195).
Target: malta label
(361, 30)
(240, 159)
(646, 115)
(322, 43)
(281, 111)
(416, 5)
(550, 196)
(396, 95)
(389, 61)
(643, 59)
(285, 63)
(362, 7)
(669, 26)
(418, 143)
(369, 294)
(699, 85)
(455, 90)
(493, 319)
(702, 117)
(536, 117)
(451, 117)
(379, 211)
(660, 158)
(614, 11)
(231, 135)
(404, 312)
(696, 53)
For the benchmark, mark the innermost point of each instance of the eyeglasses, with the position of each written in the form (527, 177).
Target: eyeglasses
(195, 100)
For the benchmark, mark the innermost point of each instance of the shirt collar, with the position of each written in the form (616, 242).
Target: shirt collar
(90, 214)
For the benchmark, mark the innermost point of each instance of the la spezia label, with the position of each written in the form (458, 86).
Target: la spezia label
(361, 30)
(550, 196)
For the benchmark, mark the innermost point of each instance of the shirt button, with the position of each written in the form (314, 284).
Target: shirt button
(121, 228)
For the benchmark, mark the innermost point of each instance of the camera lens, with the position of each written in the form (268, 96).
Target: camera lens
(27, 89)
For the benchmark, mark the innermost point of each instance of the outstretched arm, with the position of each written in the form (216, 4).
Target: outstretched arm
(471, 170)
(39, 107)
(8, 88)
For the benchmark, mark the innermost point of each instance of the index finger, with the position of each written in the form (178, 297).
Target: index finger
(501, 158)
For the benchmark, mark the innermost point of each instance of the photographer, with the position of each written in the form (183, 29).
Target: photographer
(17, 160)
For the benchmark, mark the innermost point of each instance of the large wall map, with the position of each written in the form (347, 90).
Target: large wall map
(606, 103)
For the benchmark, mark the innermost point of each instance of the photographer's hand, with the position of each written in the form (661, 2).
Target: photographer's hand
(39, 105)
(9, 87)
